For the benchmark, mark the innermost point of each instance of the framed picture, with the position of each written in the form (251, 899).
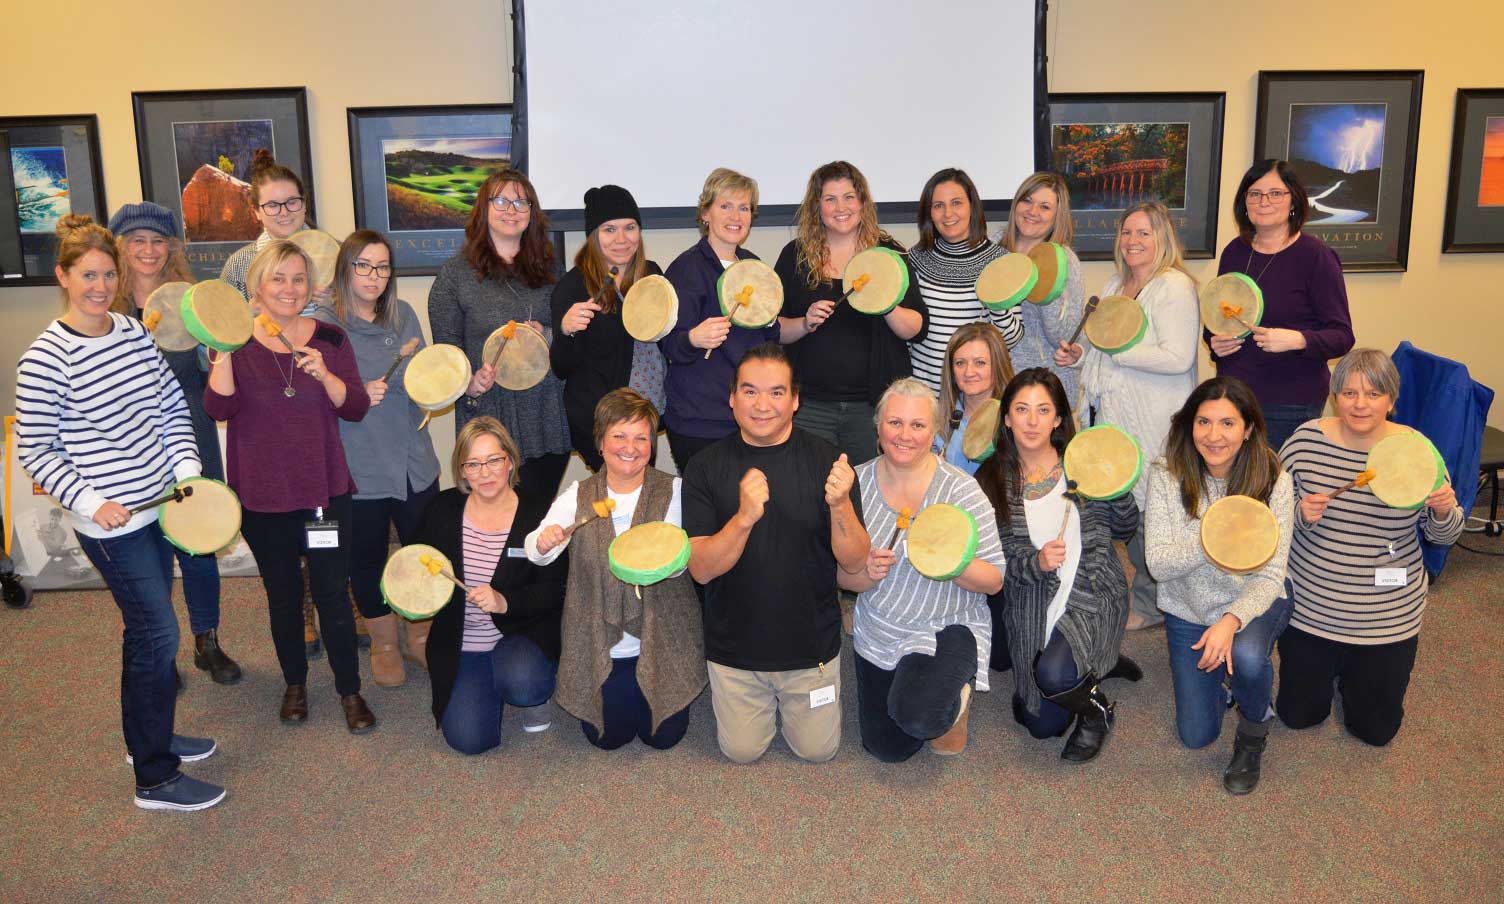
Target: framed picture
(1475, 189)
(196, 149)
(416, 171)
(1118, 150)
(1351, 137)
(51, 168)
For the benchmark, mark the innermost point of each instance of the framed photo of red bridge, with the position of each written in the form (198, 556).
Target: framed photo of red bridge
(1118, 150)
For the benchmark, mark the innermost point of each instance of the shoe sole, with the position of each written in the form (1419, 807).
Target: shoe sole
(204, 667)
(536, 729)
(181, 808)
(197, 757)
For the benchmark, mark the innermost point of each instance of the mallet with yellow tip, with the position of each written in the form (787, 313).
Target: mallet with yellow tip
(600, 508)
(435, 567)
(1362, 480)
(737, 300)
(905, 515)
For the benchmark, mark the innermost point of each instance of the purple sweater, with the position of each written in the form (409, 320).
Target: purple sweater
(285, 453)
(1304, 291)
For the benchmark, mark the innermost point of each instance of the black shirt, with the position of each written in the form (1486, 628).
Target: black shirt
(776, 609)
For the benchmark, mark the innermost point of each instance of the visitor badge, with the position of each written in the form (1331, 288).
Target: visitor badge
(516, 552)
(1389, 577)
(821, 696)
(323, 534)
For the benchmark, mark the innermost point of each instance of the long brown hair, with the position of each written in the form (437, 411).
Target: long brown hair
(1001, 476)
(814, 252)
(176, 269)
(353, 246)
(596, 272)
(534, 263)
(1255, 469)
(1002, 367)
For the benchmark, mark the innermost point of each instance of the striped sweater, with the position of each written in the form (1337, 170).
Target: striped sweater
(1334, 562)
(102, 419)
(947, 276)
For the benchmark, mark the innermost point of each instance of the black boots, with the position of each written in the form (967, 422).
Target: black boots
(1125, 668)
(1094, 714)
(1242, 774)
(208, 656)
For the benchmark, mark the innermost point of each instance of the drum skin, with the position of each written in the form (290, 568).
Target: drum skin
(1239, 534)
(410, 588)
(322, 250)
(524, 361)
(437, 376)
(766, 300)
(1054, 266)
(1406, 469)
(942, 541)
(888, 280)
(1007, 281)
(1104, 461)
(979, 442)
(649, 553)
(1117, 324)
(1235, 289)
(204, 522)
(217, 315)
(651, 309)
(164, 318)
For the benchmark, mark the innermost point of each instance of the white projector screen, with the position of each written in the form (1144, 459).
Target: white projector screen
(654, 95)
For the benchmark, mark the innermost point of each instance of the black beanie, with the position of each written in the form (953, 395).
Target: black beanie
(609, 202)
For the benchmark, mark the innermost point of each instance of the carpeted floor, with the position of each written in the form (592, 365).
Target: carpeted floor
(314, 814)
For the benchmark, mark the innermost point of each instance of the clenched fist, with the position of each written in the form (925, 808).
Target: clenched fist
(838, 484)
(754, 495)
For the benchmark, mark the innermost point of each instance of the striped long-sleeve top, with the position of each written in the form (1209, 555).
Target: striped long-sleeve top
(947, 276)
(1334, 563)
(102, 419)
(903, 613)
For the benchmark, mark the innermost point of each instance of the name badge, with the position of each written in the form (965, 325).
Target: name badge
(1389, 577)
(323, 534)
(821, 696)
(516, 552)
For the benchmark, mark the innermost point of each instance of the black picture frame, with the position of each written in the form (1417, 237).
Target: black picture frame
(1347, 119)
(58, 159)
(1097, 142)
(1474, 221)
(180, 133)
(392, 174)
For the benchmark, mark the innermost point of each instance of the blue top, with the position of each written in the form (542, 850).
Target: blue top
(951, 451)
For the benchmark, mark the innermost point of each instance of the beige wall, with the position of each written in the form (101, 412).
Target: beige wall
(376, 53)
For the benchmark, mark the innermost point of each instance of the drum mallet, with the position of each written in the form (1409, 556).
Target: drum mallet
(178, 494)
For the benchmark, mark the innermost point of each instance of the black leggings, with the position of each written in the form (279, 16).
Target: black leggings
(899, 710)
(1371, 679)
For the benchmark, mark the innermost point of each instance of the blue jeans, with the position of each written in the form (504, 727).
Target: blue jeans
(514, 672)
(1282, 420)
(137, 567)
(200, 590)
(370, 535)
(626, 713)
(1201, 697)
(849, 426)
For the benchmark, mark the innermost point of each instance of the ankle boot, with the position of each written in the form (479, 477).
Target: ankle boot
(1094, 718)
(386, 656)
(1242, 774)
(362, 634)
(953, 741)
(208, 656)
(312, 648)
(1125, 668)
(417, 643)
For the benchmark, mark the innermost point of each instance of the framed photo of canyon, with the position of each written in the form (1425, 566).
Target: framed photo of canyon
(1475, 190)
(1351, 137)
(415, 173)
(1118, 150)
(49, 168)
(195, 149)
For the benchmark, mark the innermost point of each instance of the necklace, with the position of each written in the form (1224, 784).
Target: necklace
(287, 389)
(1252, 252)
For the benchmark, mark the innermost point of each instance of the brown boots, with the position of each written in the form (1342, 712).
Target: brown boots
(417, 643)
(953, 741)
(386, 656)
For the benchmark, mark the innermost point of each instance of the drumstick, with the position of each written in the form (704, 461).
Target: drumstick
(1070, 506)
(856, 286)
(507, 332)
(1362, 480)
(600, 508)
(406, 351)
(1233, 312)
(905, 514)
(1091, 305)
(264, 321)
(435, 567)
(178, 494)
(741, 298)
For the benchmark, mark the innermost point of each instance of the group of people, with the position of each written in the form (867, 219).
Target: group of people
(802, 447)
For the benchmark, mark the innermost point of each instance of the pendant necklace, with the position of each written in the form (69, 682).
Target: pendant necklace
(287, 389)
(1251, 253)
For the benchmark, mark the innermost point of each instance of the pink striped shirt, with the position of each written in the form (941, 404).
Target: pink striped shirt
(482, 551)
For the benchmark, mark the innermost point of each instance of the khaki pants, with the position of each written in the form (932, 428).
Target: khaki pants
(747, 706)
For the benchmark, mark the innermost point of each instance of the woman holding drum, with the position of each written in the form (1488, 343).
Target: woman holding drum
(1222, 591)
(390, 456)
(922, 636)
(703, 348)
(632, 662)
(497, 643)
(1040, 225)
(278, 203)
(1062, 607)
(146, 235)
(843, 358)
(978, 367)
(287, 463)
(1305, 320)
(1139, 388)
(1355, 564)
(102, 426)
(593, 353)
(952, 251)
(504, 273)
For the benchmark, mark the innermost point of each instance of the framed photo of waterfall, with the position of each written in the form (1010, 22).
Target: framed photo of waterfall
(1351, 136)
(49, 168)
(195, 150)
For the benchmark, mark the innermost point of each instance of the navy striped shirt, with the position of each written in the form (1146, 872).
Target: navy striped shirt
(947, 276)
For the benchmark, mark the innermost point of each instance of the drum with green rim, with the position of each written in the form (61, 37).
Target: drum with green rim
(217, 315)
(1104, 461)
(1006, 281)
(1243, 298)
(204, 521)
(979, 441)
(413, 589)
(1406, 469)
(1117, 324)
(1053, 265)
(887, 280)
(751, 294)
(942, 541)
(648, 553)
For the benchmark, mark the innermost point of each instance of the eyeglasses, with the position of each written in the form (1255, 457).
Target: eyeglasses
(492, 465)
(364, 268)
(500, 204)
(274, 208)
(1259, 197)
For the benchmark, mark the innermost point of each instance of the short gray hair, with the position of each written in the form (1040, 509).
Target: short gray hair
(1371, 364)
(910, 388)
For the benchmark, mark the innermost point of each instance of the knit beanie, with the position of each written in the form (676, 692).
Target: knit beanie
(146, 215)
(609, 202)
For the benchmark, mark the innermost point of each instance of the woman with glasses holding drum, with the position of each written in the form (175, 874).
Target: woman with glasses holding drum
(146, 235)
(1355, 564)
(1138, 388)
(843, 358)
(922, 636)
(389, 451)
(496, 644)
(505, 273)
(102, 427)
(279, 203)
(287, 463)
(1061, 610)
(592, 351)
(634, 657)
(1304, 320)
(1223, 591)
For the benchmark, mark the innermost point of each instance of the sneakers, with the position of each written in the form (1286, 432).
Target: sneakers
(537, 718)
(183, 793)
(189, 750)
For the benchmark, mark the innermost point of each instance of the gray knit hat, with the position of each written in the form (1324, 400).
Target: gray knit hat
(146, 215)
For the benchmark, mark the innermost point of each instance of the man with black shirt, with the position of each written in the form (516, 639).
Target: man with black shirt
(771, 512)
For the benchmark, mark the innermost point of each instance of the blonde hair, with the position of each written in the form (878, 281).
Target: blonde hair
(1002, 367)
(1064, 230)
(176, 269)
(473, 430)
(273, 256)
(908, 388)
(77, 235)
(723, 181)
(1168, 254)
(814, 252)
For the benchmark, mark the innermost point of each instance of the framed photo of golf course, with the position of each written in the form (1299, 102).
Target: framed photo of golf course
(416, 170)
